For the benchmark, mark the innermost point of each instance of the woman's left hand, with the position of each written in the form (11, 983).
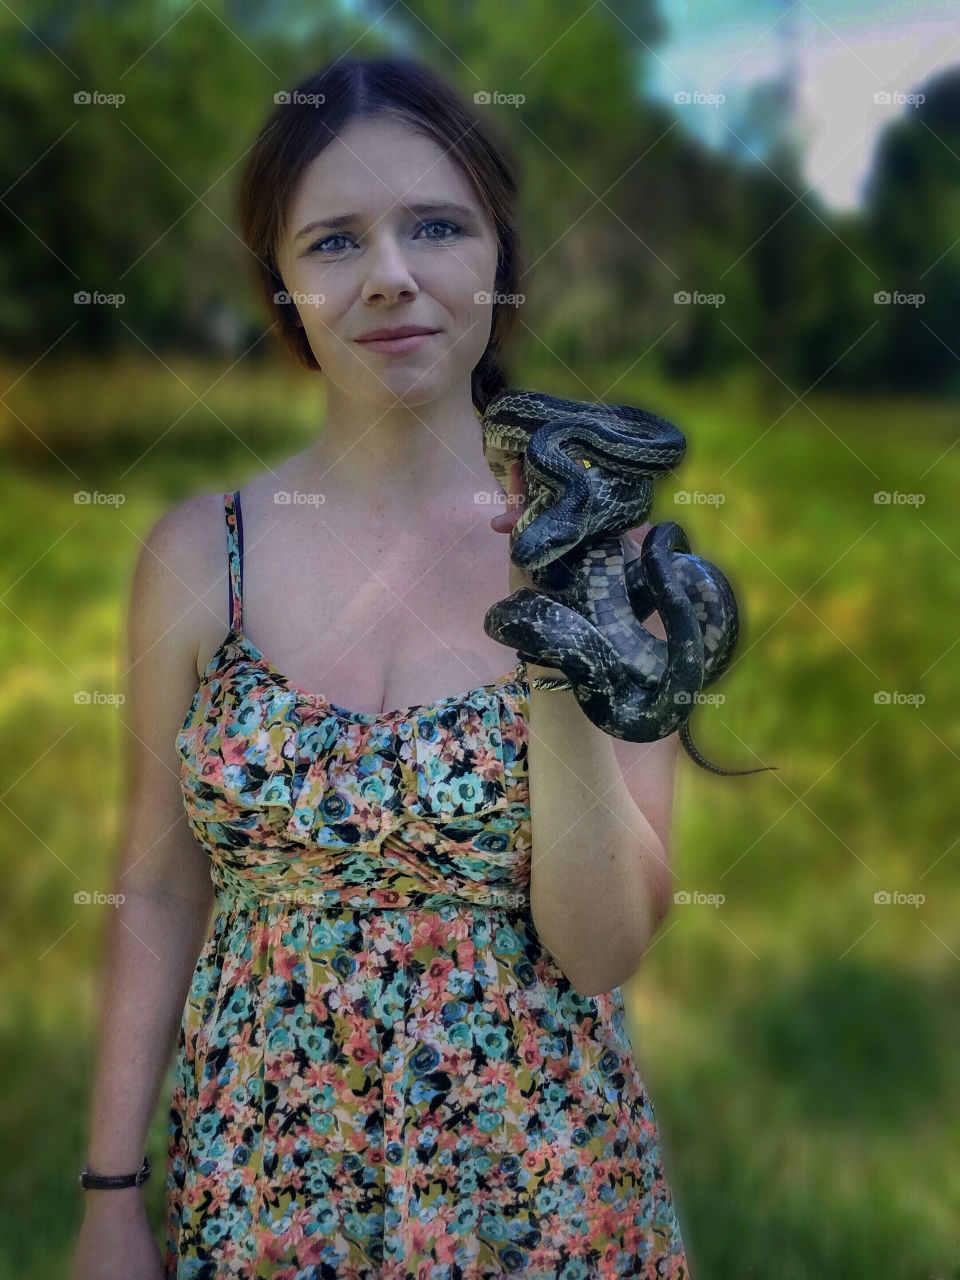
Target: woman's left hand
(504, 522)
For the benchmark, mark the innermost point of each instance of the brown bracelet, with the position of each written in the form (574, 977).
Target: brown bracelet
(114, 1181)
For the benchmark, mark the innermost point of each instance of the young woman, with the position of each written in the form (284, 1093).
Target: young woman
(402, 1050)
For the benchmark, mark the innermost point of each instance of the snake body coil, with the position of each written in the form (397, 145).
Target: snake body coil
(589, 471)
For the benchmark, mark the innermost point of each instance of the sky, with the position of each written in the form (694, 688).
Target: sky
(846, 53)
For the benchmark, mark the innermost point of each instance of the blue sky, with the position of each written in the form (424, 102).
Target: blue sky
(847, 52)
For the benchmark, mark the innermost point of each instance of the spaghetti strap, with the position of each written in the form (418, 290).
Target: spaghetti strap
(235, 557)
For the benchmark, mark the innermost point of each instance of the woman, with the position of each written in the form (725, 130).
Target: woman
(402, 1048)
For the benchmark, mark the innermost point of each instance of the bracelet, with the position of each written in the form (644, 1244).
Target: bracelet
(114, 1181)
(550, 682)
(544, 682)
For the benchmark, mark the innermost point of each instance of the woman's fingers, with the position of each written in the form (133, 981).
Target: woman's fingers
(632, 540)
(505, 520)
(516, 493)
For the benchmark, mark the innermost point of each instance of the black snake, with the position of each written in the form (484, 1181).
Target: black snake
(588, 478)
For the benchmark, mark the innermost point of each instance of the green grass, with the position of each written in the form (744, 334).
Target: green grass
(799, 1041)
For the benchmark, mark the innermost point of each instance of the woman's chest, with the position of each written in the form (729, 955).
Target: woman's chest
(380, 622)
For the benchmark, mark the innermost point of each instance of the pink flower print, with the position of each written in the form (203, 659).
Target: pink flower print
(316, 1076)
(530, 1055)
(431, 931)
(358, 1047)
(234, 748)
(608, 1260)
(498, 998)
(212, 769)
(496, 1072)
(285, 961)
(446, 1248)
(385, 897)
(488, 764)
(437, 972)
(273, 1250)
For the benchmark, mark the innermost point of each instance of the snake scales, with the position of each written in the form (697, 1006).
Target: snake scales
(588, 472)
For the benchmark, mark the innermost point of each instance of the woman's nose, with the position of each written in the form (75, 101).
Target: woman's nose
(387, 269)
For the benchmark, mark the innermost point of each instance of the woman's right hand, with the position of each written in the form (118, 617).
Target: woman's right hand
(116, 1242)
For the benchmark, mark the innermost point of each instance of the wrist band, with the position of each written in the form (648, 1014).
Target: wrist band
(550, 682)
(544, 682)
(114, 1181)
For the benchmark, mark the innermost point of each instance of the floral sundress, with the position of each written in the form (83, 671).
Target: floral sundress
(380, 1070)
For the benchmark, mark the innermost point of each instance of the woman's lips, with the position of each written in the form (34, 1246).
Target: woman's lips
(395, 346)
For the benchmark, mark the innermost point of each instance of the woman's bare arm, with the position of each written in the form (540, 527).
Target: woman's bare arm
(155, 936)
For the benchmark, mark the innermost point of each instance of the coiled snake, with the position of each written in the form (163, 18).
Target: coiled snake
(588, 478)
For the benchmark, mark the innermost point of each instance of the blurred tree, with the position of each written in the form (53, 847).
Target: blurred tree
(621, 207)
(912, 207)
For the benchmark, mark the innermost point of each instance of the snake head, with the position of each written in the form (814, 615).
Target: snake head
(588, 470)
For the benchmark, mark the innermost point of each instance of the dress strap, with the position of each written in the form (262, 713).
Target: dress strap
(235, 557)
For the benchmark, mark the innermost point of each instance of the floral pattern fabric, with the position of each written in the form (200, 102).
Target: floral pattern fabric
(381, 1071)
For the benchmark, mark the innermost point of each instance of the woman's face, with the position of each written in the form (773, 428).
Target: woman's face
(390, 265)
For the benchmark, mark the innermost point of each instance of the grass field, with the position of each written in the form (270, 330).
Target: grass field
(799, 1040)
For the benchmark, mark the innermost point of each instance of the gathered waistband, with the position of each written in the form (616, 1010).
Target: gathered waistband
(235, 892)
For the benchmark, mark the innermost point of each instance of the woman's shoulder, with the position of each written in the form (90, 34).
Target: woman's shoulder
(178, 579)
(189, 531)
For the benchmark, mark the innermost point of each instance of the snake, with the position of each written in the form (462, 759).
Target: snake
(588, 473)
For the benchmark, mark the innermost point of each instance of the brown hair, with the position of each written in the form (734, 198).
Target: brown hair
(298, 131)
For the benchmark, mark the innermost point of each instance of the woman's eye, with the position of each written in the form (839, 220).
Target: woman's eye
(316, 247)
(441, 222)
(433, 222)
